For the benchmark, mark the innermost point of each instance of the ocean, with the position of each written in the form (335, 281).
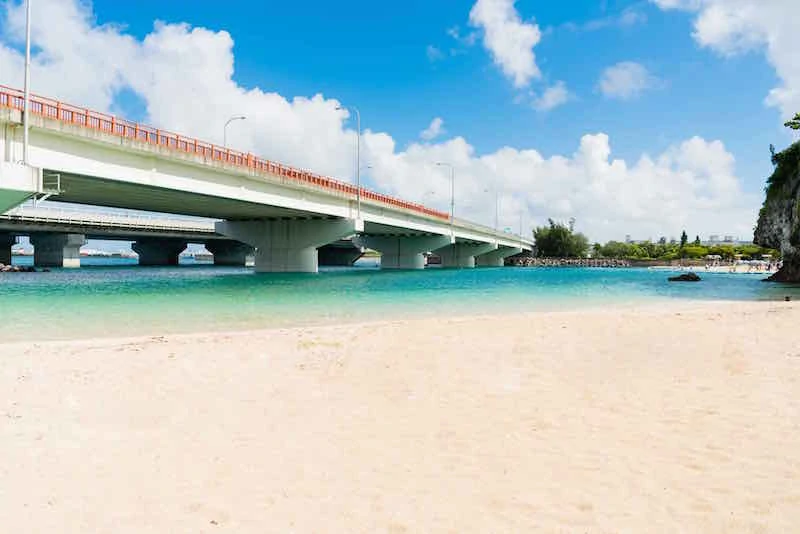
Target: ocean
(116, 298)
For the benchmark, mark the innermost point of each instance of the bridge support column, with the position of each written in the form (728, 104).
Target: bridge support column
(496, 258)
(339, 254)
(229, 253)
(463, 254)
(288, 246)
(6, 242)
(404, 252)
(57, 250)
(155, 251)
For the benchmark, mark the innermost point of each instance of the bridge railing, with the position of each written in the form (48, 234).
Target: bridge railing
(77, 216)
(56, 110)
(482, 228)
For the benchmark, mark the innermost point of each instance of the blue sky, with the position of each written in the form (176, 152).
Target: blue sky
(697, 110)
(368, 54)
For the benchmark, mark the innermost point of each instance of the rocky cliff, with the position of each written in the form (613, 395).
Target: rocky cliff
(779, 219)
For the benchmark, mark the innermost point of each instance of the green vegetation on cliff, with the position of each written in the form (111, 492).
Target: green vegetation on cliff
(787, 163)
(779, 218)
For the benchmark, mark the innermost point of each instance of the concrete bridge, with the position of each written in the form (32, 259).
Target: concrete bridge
(58, 232)
(286, 214)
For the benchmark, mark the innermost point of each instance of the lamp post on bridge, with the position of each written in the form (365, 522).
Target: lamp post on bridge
(358, 155)
(225, 128)
(26, 106)
(496, 208)
(452, 190)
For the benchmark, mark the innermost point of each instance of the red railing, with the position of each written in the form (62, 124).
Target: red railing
(53, 109)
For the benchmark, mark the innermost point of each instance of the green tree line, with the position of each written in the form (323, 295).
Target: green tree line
(559, 240)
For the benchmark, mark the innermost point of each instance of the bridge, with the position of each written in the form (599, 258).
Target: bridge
(286, 214)
(58, 231)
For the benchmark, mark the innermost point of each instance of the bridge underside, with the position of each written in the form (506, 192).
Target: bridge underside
(89, 190)
(286, 240)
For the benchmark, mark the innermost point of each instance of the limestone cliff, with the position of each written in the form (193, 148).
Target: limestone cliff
(779, 219)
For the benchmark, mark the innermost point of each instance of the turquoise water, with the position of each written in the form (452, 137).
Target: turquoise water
(117, 298)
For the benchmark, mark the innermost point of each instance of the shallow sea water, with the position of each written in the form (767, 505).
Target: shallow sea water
(115, 298)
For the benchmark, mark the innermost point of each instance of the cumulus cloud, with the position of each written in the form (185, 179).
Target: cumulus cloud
(735, 26)
(626, 80)
(433, 131)
(185, 78)
(508, 39)
(691, 185)
(552, 97)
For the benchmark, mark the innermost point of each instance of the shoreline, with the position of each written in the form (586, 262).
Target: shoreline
(647, 305)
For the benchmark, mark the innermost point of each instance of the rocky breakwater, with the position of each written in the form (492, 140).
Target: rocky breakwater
(779, 219)
(17, 269)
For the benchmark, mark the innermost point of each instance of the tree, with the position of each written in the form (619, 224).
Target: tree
(558, 240)
(697, 241)
(794, 123)
(684, 239)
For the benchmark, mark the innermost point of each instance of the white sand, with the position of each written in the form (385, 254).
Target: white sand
(678, 420)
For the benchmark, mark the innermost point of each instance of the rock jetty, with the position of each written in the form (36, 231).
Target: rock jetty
(16, 269)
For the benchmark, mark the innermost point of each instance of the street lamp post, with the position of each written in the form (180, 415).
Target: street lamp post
(225, 129)
(26, 106)
(358, 156)
(496, 209)
(452, 190)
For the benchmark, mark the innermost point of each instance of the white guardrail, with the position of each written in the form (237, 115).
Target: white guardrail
(78, 216)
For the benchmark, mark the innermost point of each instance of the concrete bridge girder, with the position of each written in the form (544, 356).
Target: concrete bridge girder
(403, 252)
(496, 258)
(158, 251)
(462, 254)
(288, 245)
(229, 253)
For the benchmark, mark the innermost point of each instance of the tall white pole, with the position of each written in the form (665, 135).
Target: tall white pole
(358, 162)
(27, 101)
(497, 210)
(452, 195)
(358, 156)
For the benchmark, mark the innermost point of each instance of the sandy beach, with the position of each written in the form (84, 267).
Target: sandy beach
(677, 419)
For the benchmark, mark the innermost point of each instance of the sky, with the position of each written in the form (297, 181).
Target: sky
(639, 118)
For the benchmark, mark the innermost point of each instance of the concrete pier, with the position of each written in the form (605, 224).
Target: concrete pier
(463, 255)
(404, 252)
(158, 251)
(6, 242)
(496, 258)
(288, 245)
(229, 253)
(57, 250)
(341, 253)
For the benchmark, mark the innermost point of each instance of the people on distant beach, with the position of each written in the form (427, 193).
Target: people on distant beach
(568, 262)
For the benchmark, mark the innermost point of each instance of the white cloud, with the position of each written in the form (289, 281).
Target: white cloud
(433, 131)
(626, 80)
(434, 54)
(184, 76)
(552, 97)
(734, 26)
(509, 40)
